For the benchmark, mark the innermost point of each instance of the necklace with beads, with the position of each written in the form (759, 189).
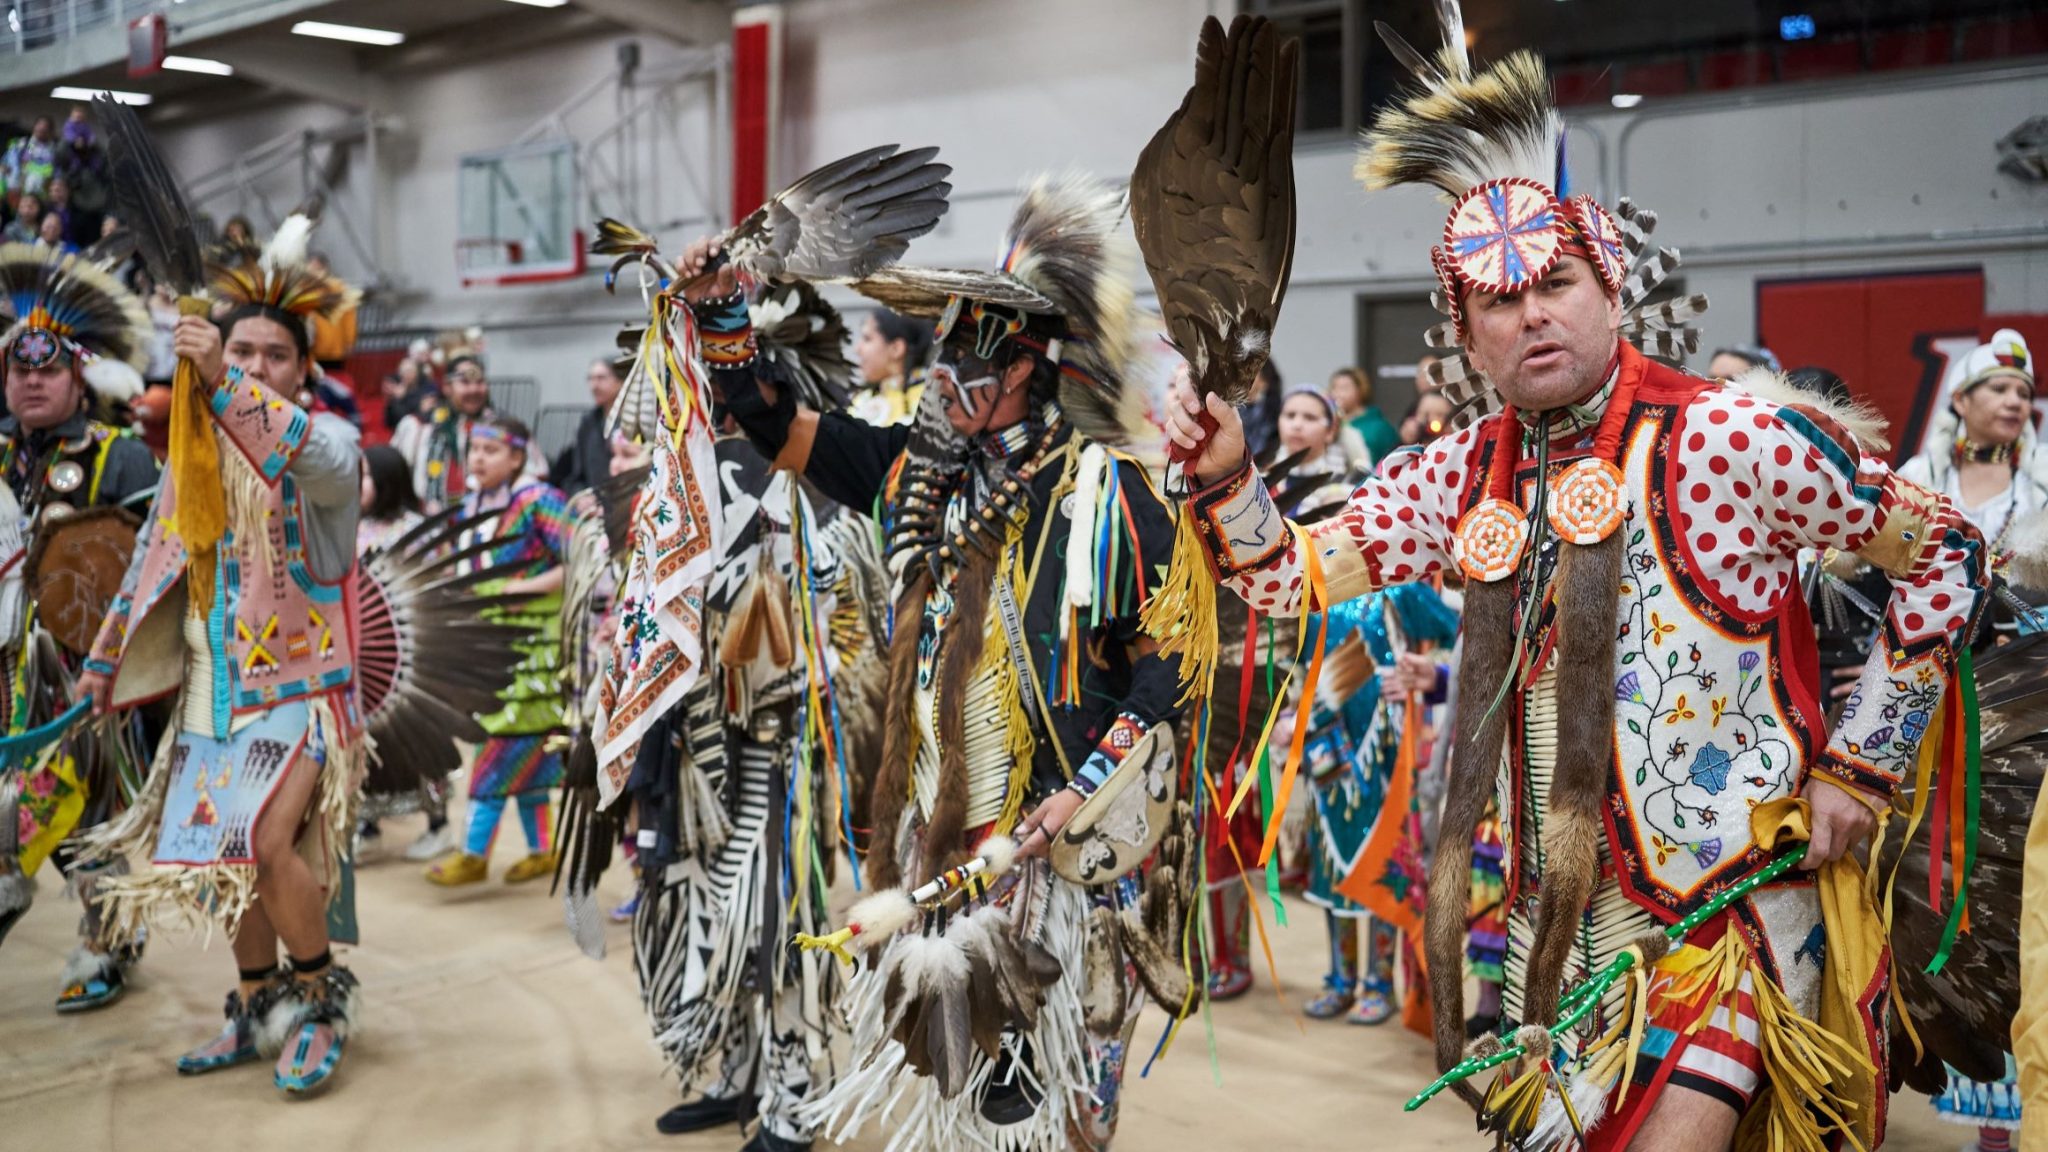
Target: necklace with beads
(1582, 503)
(1970, 452)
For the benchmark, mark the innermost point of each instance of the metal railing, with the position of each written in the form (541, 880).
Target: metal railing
(33, 24)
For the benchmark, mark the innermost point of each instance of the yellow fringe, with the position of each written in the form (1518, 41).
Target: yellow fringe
(219, 894)
(1181, 615)
(1805, 1066)
(201, 514)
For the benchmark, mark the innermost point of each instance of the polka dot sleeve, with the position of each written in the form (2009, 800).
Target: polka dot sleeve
(1816, 488)
(1395, 528)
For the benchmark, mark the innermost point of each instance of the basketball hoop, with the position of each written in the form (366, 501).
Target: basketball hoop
(491, 260)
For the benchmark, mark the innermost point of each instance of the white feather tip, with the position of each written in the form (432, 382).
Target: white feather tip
(1001, 854)
(288, 248)
(113, 379)
(882, 915)
(2026, 552)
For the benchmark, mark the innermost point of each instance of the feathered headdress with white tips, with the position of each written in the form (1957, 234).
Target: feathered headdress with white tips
(73, 304)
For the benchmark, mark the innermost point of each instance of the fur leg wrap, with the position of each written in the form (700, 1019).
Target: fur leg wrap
(84, 964)
(333, 999)
(899, 737)
(1475, 765)
(1588, 606)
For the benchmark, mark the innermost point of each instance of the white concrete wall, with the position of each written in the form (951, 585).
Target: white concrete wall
(1882, 177)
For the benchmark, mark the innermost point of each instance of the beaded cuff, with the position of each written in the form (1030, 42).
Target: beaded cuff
(1846, 769)
(1109, 754)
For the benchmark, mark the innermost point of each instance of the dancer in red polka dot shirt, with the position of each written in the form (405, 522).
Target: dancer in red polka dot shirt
(1639, 678)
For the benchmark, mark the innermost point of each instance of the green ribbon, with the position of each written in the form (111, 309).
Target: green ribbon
(1578, 1003)
(1265, 771)
(1966, 679)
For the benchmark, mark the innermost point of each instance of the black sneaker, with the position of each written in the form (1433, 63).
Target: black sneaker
(1010, 1097)
(697, 1115)
(766, 1141)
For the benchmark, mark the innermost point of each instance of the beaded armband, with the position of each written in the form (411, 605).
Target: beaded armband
(1238, 522)
(1903, 546)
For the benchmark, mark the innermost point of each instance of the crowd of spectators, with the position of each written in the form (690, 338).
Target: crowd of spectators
(53, 183)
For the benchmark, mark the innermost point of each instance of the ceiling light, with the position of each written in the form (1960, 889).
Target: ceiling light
(67, 92)
(1627, 99)
(542, 3)
(195, 64)
(348, 32)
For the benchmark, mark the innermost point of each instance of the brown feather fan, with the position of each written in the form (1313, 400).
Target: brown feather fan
(1964, 1015)
(1212, 201)
(428, 658)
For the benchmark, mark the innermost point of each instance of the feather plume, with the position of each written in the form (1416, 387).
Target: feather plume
(148, 200)
(289, 245)
(428, 660)
(1067, 243)
(987, 1014)
(881, 915)
(802, 341)
(1454, 130)
(1103, 996)
(1212, 203)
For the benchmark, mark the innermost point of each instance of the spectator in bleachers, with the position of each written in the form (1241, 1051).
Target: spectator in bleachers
(31, 160)
(409, 391)
(237, 237)
(588, 457)
(57, 203)
(26, 227)
(51, 232)
(82, 164)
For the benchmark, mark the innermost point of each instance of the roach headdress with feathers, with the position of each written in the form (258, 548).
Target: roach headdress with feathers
(279, 280)
(1062, 288)
(62, 306)
(1493, 143)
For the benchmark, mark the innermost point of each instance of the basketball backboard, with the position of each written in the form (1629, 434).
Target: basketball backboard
(516, 220)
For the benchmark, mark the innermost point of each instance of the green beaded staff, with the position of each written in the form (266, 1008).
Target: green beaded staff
(1578, 1003)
